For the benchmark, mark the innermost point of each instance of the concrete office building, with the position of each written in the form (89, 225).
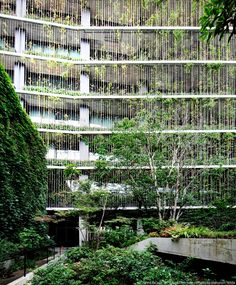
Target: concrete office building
(79, 66)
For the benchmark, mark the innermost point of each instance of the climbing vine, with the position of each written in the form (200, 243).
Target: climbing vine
(23, 173)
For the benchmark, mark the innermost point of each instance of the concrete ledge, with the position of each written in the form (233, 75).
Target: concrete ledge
(219, 250)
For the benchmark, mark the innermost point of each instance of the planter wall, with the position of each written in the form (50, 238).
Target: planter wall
(220, 250)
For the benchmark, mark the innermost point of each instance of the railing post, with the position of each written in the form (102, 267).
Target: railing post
(25, 258)
(47, 254)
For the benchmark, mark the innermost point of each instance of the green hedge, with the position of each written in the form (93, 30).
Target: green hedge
(23, 173)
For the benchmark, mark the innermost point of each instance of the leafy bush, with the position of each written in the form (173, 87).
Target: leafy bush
(155, 225)
(55, 274)
(115, 266)
(121, 237)
(181, 231)
(228, 227)
(153, 234)
(111, 266)
(214, 218)
(7, 252)
(166, 275)
(77, 253)
(7, 249)
(30, 239)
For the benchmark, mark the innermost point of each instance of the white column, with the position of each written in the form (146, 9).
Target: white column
(84, 49)
(19, 68)
(84, 83)
(84, 43)
(85, 17)
(84, 116)
(19, 76)
(19, 40)
(83, 177)
(143, 89)
(22, 77)
(20, 8)
(16, 75)
(84, 151)
(83, 236)
(140, 230)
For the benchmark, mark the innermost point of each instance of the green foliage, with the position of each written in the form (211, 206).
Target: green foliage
(113, 266)
(71, 172)
(30, 239)
(121, 237)
(55, 274)
(220, 217)
(7, 249)
(119, 221)
(141, 146)
(166, 275)
(77, 253)
(181, 231)
(214, 66)
(23, 173)
(219, 16)
(116, 266)
(155, 225)
(88, 200)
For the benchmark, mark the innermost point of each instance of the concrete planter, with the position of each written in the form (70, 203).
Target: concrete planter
(220, 250)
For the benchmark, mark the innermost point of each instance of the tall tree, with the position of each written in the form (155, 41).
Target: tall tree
(88, 199)
(157, 162)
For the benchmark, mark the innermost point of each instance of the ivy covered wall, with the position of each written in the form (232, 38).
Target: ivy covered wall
(23, 173)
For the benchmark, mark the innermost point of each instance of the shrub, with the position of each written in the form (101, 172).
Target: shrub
(181, 231)
(77, 253)
(166, 275)
(115, 266)
(121, 237)
(227, 227)
(111, 266)
(155, 225)
(214, 218)
(55, 274)
(153, 234)
(30, 239)
(7, 252)
(7, 249)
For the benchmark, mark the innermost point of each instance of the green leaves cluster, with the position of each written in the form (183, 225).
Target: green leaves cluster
(219, 19)
(181, 231)
(30, 239)
(55, 274)
(120, 237)
(23, 173)
(112, 266)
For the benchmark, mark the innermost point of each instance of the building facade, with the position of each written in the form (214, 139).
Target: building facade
(79, 67)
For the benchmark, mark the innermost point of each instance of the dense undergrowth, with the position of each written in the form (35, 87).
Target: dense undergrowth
(115, 263)
(110, 266)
